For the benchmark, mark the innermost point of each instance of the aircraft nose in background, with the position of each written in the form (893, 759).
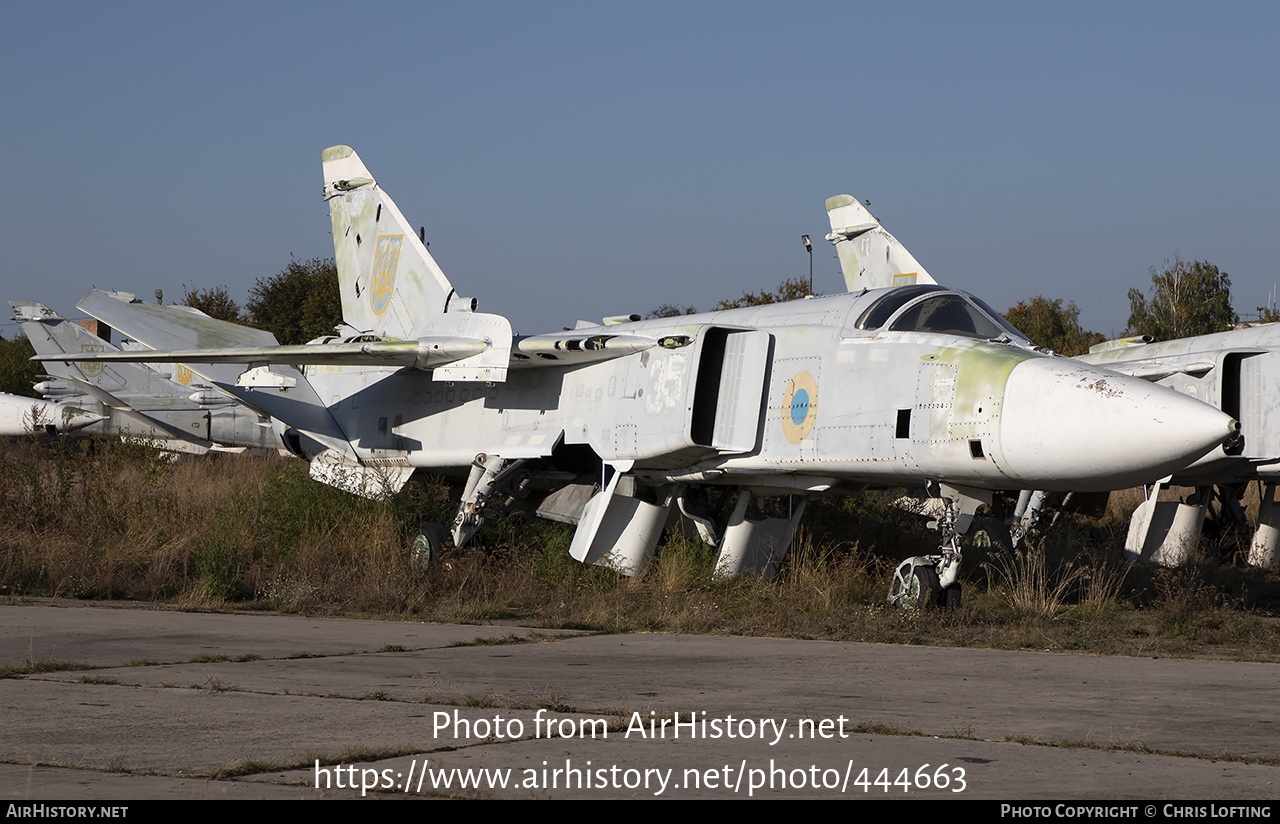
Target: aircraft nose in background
(1067, 425)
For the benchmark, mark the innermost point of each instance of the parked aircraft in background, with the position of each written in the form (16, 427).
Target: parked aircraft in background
(1239, 373)
(180, 412)
(33, 416)
(913, 385)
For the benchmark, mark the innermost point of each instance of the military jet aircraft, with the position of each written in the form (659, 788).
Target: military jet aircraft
(631, 421)
(181, 413)
(1239, 373)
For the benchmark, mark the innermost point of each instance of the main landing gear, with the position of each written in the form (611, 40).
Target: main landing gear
(428, 541)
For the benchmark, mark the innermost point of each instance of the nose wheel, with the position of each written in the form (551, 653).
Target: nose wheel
(933, 580)
(917, 583)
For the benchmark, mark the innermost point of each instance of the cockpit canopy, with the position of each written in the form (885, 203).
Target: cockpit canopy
(932, 308)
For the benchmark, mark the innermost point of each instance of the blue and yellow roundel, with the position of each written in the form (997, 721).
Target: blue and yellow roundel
(383, 280)
(799, 407)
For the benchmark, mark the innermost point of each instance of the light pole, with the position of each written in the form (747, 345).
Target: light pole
(809, 248)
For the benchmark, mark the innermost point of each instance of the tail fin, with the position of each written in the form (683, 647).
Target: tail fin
(131, 392)
(389, 280)
(870, 257)
(390, 284)
(52, 334)
(181, 327)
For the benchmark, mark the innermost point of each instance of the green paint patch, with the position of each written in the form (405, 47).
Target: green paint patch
(982, 370)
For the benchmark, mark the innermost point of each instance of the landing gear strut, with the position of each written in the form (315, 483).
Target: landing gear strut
(490, 476)
(933, 580)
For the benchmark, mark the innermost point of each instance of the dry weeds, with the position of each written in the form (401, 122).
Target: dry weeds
(120, 521)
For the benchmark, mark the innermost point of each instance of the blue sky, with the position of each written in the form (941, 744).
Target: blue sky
(577, 160)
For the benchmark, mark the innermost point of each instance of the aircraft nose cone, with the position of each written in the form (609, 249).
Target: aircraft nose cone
(1068, 425)
(79, 420)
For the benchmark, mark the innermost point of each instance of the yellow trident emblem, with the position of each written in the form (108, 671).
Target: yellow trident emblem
(91, 369)
(384, 272)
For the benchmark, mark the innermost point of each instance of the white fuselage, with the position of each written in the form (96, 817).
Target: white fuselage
(792, 396)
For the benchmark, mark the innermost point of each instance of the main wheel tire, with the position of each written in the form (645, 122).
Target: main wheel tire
(426, 546)
(950, 598)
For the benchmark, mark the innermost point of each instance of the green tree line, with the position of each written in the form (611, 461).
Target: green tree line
(297, 304)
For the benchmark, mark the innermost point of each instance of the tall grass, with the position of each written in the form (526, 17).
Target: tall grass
(120, 520)
(1033, 582)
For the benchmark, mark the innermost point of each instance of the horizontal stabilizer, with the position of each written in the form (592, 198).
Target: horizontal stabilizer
(870, 257)
(51, 334)
(424, 354)
(171, 328)
(126, 410)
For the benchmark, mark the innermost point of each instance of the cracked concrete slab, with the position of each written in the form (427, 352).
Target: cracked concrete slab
(381, 699)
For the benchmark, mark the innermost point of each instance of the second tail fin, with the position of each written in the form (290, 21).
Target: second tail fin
(870, 257)
(51, 334)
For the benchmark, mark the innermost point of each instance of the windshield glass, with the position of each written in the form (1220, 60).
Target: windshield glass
(948, 315)
(880, 311)
(1012, 330)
